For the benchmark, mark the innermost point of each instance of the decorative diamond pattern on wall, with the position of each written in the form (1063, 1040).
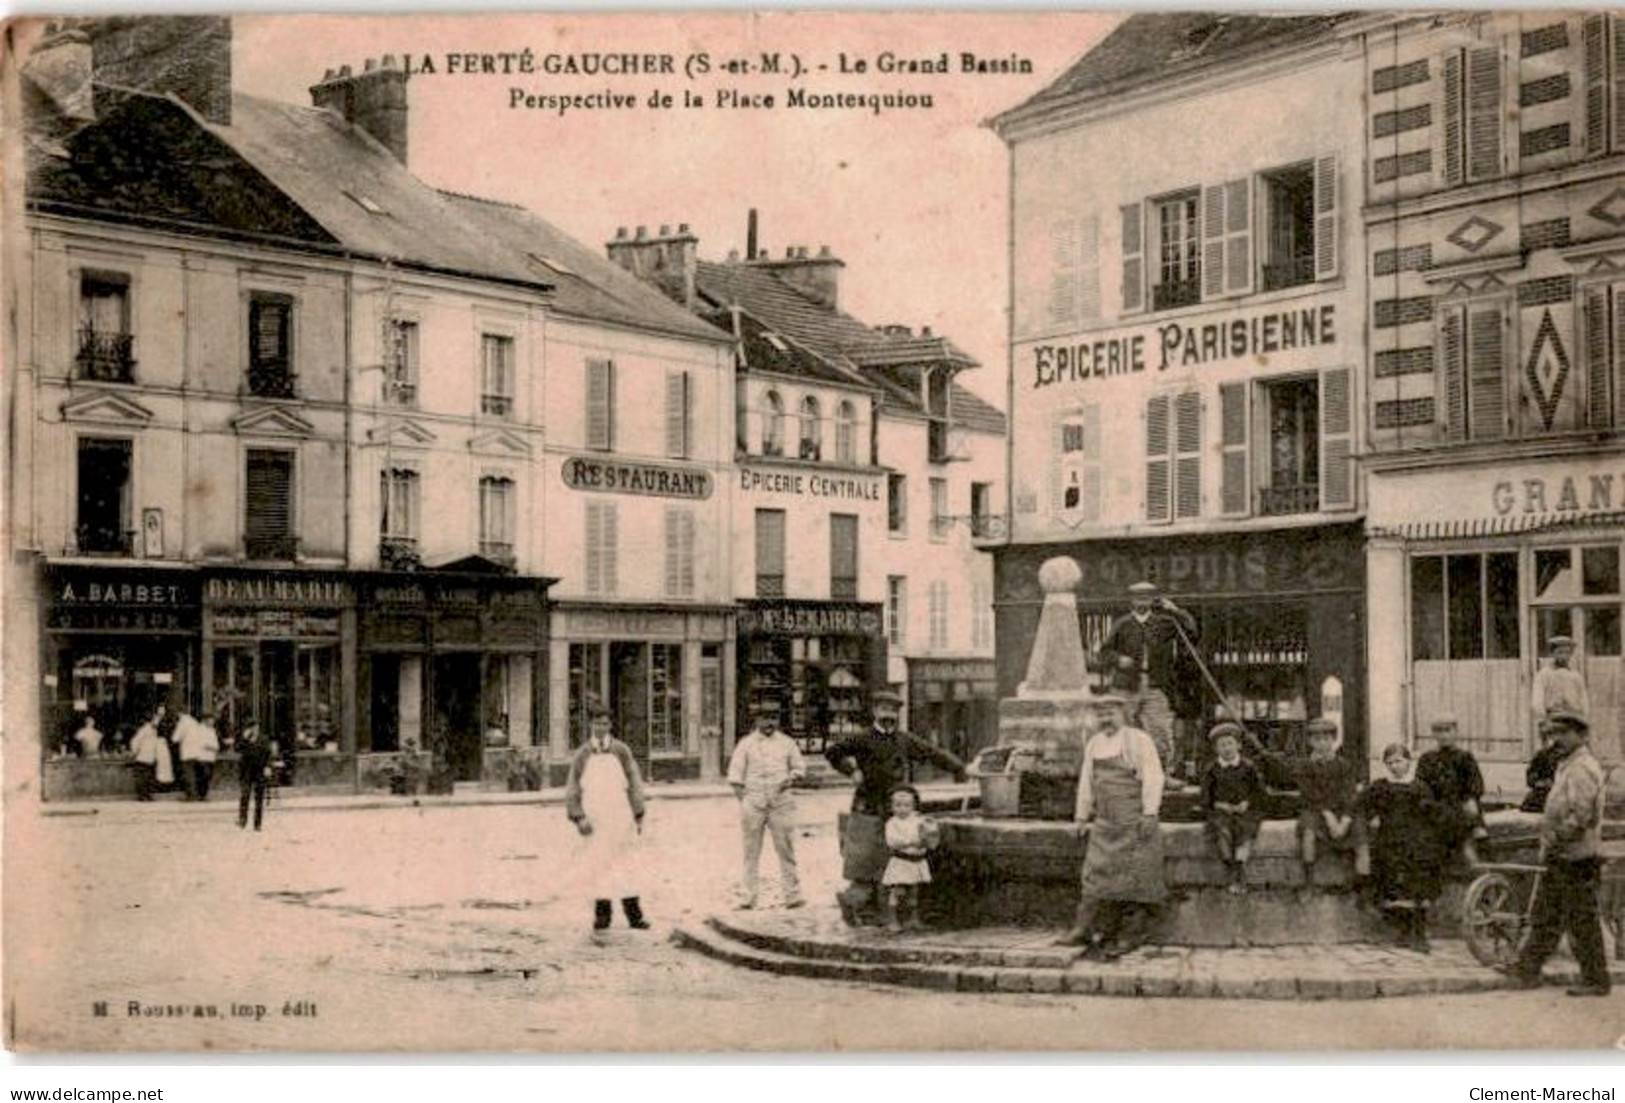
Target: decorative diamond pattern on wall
(1474, 234)
(1548, 368)
(1610, 208)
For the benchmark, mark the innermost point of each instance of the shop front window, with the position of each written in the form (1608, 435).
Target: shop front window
(1465, 647)
(289, 690)
(116, 683)
(666, 698)
(586, 677)
(1578, 594)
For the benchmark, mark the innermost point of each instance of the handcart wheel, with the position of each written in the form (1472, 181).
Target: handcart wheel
(1492, 920)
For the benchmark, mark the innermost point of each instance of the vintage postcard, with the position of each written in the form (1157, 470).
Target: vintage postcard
(814, 531)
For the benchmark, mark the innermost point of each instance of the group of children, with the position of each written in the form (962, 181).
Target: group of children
(1402, 830)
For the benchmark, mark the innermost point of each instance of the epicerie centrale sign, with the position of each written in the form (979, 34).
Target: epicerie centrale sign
(1182, 343)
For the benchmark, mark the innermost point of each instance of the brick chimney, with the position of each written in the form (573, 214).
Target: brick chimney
(668, 260)
(188, 56)
(818, 276)
(373, 99)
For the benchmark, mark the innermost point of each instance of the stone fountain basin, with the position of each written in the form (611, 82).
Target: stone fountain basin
(999, 871)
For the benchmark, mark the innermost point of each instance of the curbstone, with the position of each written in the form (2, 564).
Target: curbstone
(1119, 984)
(1160, 986)
(1013, 980)
(1275, 988)
(1081, 983)
(1045, 981)
(977, 980)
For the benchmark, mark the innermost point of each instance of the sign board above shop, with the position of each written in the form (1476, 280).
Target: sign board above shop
(1181, 343)
(809, 618)
(278, 590)
(648, 479)
(1502, 497)
(810, 484)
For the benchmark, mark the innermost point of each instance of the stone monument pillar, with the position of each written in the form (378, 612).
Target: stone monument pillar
(1050, 712)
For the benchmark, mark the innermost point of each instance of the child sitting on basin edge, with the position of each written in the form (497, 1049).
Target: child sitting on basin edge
(1233, 800)
(1328, 786)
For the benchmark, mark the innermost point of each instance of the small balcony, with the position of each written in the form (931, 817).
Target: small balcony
(499, 551)
(1278, 501)
(1290, 273)
(280, 546)
(1168, 296)
(494, 405)
(399, 553)
(770, 585)
(272, 380)
(94, 539)
(106, 357)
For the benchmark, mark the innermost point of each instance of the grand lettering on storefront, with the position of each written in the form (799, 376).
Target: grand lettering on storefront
(649, 479)
(1570, 492)
(803, 484)
(812, 618)
(1182, 343)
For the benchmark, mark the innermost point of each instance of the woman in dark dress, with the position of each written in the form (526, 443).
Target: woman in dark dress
(1409, 846)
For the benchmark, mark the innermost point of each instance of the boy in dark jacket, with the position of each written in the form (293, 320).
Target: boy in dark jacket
(1452, 776)
(1328, 786)
(1233, 799)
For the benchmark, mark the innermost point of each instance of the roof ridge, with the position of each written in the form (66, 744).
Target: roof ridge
(482, 199)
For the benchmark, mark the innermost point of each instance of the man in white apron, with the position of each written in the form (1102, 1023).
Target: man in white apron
(603, 797)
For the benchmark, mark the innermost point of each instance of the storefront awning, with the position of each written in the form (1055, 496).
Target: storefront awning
(1513, 524)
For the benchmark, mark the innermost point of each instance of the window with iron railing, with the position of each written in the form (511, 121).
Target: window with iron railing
(106, 357)
(1289, 256)
(401, 362)
(106, 348)
(270, 346)
(1179, 243)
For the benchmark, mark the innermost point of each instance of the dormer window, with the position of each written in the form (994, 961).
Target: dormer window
(812, 434)
(773, 424)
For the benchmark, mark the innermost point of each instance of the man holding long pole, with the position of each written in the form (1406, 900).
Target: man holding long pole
(1148, 651)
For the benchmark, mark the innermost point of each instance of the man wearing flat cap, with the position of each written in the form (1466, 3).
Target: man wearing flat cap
(1152, 668)
(1559, 685)
(764, 767)
(1571, 848)
(879, 761)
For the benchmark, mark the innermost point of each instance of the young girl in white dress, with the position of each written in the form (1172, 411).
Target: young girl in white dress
(909, 837)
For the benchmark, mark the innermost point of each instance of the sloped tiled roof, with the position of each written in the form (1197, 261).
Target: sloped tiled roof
(1156, 45)
(586, 284)
(359, 192)
(767, 349)
(846, 345)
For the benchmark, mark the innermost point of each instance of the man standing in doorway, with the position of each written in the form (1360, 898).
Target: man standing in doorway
(879, 762)
(1151, 666)
(764, 767)
(1559, 687)
(1570, 848)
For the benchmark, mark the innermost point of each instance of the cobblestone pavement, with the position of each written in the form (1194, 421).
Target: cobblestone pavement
(464, 928)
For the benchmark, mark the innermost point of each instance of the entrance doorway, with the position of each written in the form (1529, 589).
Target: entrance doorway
(457, 711)
(629, 683)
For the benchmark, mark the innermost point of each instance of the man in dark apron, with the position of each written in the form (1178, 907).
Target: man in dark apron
(878, 761)
(1119, 795)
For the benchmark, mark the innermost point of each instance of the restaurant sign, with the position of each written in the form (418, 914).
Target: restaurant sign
(647, 479)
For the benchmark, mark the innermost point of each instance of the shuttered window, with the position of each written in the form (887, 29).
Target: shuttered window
(1235, 492)
(1159, 463)
(843, 556)
(1472, 359)
(1336, 439)
(770, 553)
(679, 414)
(1603, 62)
(603, 547)
(937, 615)
(896, 610)
(269, 494)
(1133, 242)
(1473, 114)
(1188, 455)
(679, 551)
(1603, 308)
(1326, 217)
(600, 412)
(1063, 282)
(496, 516)
(939, 509)
(1227, 239)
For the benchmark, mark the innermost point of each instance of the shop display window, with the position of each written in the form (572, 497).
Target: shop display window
(290, 690)
(665, 698)
(117, 684)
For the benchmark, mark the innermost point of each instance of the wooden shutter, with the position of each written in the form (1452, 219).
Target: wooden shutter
(268, 332)
(1617, 295)
(1454, 119)
(1326, 217)
(1212, 242)
(600, 404)
(1486, 372)
(1484, 112)
(1452, 385)
(770, 542)
(595, 549)
(677, 413)
(1133, 258)
(1093, 475)
(1599, 362)
(1088, 257)
(679, 551)
(1594, 64)
(1188, 454)
(1063, 273)
(1158, 462)
(1058, 464)
(1235, 494)
(1336, 439)
(1617, 26)
(1238, 237)
(268, 494)
(609, 546)
(843, 547)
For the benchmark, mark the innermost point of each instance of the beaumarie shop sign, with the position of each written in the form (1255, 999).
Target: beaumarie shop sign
(1181, 343)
